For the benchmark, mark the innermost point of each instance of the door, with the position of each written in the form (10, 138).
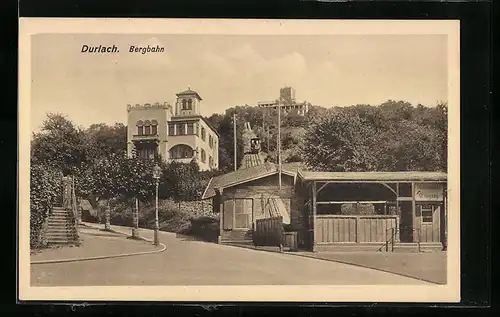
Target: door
(429, 215)
(243, 213)
(406, 221)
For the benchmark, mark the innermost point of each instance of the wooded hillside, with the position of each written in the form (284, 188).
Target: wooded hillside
(393, 136)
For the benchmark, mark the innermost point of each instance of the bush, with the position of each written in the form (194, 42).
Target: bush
(178, 217)
(364, 209)
(170, 217)
(45, 192)
(206, 228)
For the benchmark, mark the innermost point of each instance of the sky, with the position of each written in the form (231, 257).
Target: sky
(230, 70)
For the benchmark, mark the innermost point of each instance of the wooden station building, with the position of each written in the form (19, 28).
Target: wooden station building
(366, 209)
(244, 196)
(334, 211)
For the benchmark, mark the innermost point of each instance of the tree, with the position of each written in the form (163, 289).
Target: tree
(104, 179)
(340, 141)
(104, 140)
(59, 144)
(410, 147)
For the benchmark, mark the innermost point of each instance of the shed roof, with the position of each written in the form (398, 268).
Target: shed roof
(245, 175)
(372, 176)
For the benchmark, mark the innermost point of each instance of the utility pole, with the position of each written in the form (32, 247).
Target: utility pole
(263, 122)
(268, 136)
(234, 137)
(279, 144)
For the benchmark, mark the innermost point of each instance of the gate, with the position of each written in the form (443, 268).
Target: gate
(268, 232)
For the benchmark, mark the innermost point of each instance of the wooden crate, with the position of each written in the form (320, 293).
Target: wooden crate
(290, 241)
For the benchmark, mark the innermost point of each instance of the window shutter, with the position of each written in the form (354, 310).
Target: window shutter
(228, 214)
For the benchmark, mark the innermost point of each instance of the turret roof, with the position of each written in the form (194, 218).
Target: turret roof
(189, 92)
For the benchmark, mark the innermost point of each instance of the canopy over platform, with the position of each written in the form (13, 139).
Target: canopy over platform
(372, 176)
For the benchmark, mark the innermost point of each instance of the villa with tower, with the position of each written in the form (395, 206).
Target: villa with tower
(178, 133)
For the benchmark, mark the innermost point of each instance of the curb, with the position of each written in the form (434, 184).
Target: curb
(123, 234)
(337, 261)
(163, 248)
(127, 228)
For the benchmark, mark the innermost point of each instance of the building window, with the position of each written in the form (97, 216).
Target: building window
(203, 156)
(184, 104)
(203, 136)
(181, 151)
(190, 128)
(147, 127)
(210, 141)
(190, 104)
(154, 127)
(140, 129)
(181, 129)
(210, 161)
(171, 129)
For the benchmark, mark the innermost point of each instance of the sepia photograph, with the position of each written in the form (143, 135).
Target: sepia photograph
(239, 160)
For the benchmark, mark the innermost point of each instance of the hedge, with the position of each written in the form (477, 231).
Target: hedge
(45, 192)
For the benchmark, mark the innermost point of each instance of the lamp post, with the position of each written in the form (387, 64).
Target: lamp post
(156, 176)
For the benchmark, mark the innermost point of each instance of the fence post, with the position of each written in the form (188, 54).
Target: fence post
(418, 235)
(357, 229)
(393, 237)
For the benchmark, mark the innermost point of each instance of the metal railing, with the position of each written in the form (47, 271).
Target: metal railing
(391, 241)
(69, 202)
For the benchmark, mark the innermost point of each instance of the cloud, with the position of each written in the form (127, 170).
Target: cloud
(216, 64)
(245, 53)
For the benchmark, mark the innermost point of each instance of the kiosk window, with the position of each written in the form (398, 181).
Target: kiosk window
(426, 213)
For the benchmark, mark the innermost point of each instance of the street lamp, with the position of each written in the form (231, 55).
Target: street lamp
(156, 176)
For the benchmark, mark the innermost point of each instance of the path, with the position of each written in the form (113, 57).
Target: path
(95, 243)
(201, 263)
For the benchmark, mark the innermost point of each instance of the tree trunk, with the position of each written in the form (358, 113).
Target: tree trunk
(107, 225)
(135, 229)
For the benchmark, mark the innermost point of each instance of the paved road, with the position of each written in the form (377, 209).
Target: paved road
(200, 263)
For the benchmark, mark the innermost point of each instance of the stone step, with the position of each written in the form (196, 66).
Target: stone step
(59, 215)
(59, 220)
(237, 234)
(238, 242)
(61, 241)
(60, 211)
(65, 217)
(60, 230)
(60, 234)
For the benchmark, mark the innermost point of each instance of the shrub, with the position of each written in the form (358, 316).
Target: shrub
(45, 192)
(170, 217)
(364, 209)
(206, 228)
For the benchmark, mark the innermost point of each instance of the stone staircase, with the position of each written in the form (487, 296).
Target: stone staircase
(61, 228)
(237, 237)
